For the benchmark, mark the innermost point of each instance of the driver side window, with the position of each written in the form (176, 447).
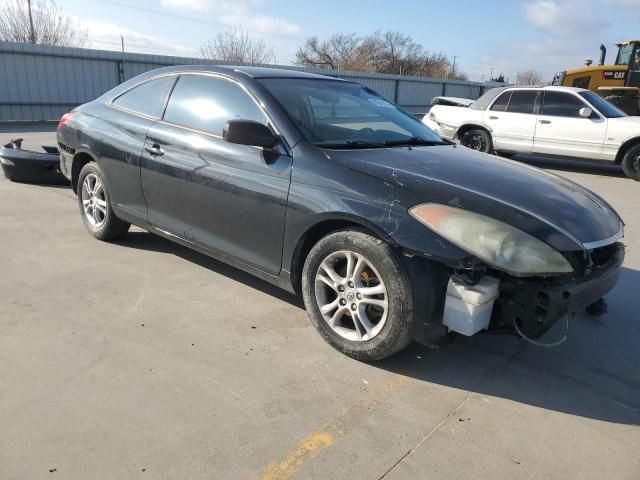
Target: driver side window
(207, 103)
(561, 104)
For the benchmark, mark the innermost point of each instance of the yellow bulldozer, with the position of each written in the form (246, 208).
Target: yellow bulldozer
(618, 83)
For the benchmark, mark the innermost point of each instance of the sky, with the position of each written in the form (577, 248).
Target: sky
(499, 36)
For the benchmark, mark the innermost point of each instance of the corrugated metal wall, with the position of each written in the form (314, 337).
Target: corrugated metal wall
(39, 82)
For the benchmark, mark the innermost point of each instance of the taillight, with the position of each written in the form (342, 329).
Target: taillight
(64, 119)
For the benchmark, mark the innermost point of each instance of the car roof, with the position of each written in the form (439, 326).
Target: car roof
(548, 87)
(240, 71)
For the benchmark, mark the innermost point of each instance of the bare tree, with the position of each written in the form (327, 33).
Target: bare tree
(236, 46)
(528, 77)
(388, 52)
(341, 51)
(47, 24)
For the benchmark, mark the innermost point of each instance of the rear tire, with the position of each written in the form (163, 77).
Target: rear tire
(369, 317)
(95, 205)
(631, 163)
(478, 140)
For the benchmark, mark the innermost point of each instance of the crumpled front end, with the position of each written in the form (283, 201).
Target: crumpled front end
(532, 305)
(443, 130)
(482, 298)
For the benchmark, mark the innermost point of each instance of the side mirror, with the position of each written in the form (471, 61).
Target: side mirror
(585, 112)
(248, 132)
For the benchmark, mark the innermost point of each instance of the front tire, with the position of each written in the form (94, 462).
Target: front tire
(95, 205)
(631, 163)
(478, 140)
(358, 295)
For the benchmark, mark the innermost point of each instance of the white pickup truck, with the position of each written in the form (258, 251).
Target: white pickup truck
(553, 121)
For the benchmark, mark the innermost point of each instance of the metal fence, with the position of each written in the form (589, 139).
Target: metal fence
(40, 82)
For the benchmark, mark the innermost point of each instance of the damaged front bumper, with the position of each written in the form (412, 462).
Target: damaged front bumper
(468, 305)
(534, 305)
(447, 132)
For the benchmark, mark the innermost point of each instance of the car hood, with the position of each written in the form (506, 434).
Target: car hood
(547, 206)
(630, 120)
(623, 127)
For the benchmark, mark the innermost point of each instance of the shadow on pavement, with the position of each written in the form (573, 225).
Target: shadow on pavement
(571, 165)
(594, 374)
(149, 241)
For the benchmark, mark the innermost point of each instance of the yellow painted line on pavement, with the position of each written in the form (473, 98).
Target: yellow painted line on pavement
(304, 451)
(325, 435)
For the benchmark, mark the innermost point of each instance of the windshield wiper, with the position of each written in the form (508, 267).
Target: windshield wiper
(412, 141)
(354, 144)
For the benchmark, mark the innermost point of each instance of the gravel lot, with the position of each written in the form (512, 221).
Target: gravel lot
(143, 359)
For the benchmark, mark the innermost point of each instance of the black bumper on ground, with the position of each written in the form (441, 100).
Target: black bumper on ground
(31, 167)
(537, 304)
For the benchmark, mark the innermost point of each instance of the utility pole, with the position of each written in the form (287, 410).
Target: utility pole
(32, 33)
(491, 74)
(122, 62)
(453, 67)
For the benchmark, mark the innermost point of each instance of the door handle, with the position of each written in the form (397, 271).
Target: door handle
(492, 117)
(154, 150)
(545, 122)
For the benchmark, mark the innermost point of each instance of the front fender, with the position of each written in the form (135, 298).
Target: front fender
(634, 138)
(342, 194)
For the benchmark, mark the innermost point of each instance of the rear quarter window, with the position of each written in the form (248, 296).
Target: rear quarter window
(500, 105)
(147, 98)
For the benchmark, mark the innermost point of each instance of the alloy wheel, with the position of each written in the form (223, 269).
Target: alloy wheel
(94, 201)
(351, 296)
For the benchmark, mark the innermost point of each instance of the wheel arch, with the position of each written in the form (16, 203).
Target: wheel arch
(80, 159)
(428, 278)
(323, 226)
(472, 126)
(631, 142)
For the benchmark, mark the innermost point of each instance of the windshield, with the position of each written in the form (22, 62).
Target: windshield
(337, 114)
(603, 106)
(624, 54)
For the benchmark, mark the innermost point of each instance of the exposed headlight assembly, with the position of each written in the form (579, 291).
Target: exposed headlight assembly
(498, 244)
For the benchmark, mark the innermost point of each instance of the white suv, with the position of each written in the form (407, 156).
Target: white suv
(554, 121)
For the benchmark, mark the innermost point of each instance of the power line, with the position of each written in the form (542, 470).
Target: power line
(192, 46)
(134, 48)
(164, 14)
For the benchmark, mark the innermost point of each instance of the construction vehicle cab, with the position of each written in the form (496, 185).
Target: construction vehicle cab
(618, 83)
